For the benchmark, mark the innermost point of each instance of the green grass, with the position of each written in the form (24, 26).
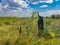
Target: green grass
(9, 31)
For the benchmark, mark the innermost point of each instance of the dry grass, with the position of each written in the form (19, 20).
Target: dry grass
(9, 33)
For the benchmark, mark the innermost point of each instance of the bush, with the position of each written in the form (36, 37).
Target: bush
(7, 23)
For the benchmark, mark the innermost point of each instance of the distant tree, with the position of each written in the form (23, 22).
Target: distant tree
(53, 16)
(35, 14)
(57, 16)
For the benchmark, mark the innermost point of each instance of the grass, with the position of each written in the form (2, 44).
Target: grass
(9, 31)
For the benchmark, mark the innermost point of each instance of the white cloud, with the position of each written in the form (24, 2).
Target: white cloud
(43, 6)
(39, 1)
(14, 3)
(0, 7)
(15, 0)
(21, 3)
(19, 12)
(32, 1)
(35, 2)
(5, 6)
(49, 12)
(8, 9)
(46, 1)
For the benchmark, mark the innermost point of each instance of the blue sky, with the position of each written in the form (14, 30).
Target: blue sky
(26, 7)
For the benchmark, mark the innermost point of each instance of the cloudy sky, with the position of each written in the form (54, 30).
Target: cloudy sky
(26, 7)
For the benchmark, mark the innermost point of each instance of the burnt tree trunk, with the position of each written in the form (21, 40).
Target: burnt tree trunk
(40, 25)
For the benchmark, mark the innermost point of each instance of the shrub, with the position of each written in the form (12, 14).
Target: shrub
(7, 23)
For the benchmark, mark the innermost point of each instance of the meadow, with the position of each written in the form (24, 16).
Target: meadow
(10, 26)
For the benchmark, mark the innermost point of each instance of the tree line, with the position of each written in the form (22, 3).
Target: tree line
(55, 16)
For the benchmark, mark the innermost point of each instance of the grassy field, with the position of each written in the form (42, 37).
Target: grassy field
(10, 26)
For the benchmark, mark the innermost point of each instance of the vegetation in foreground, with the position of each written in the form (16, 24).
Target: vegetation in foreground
(10, 26)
